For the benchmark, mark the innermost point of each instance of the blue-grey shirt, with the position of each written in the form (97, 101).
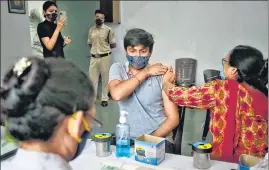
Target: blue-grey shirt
(144, 105)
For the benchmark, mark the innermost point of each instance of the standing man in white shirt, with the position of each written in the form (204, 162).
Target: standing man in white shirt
(101, 40)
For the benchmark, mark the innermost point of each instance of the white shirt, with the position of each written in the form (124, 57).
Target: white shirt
(29, 160)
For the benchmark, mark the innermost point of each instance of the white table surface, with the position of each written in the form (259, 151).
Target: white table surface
(89, 161)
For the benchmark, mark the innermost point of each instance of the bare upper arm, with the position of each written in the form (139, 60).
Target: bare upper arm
(45, 41)
(170, 108)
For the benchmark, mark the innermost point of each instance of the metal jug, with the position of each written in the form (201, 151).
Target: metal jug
(103, 144)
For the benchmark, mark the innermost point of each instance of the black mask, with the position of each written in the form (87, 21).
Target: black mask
(52, 16)
(98, 22)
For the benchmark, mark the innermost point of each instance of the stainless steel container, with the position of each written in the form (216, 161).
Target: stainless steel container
(201, 155)
(103, 143)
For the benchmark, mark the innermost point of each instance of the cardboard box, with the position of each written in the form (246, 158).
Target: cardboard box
(247, 162)
(150, 149)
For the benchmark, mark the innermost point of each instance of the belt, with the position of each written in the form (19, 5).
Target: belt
(100, 55)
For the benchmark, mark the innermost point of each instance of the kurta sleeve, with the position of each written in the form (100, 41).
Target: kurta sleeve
(202, 97)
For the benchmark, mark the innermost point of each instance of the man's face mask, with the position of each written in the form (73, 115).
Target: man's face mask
(138, 62)
(52, 16)
(99, 22)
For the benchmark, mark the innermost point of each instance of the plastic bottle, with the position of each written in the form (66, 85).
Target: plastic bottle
(123, 137)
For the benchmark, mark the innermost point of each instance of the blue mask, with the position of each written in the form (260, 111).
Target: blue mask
(85, 136)
(82, 144)
(223, 77)
(138, 62)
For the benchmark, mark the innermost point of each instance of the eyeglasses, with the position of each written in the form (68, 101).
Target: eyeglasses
(100, 124)
(224, 61)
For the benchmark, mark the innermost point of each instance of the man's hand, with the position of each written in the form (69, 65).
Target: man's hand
(156, 69)
(113, 45)
(169, 76)
(67, 40)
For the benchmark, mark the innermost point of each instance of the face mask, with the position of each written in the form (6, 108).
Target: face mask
(82, 144)
(99, 22)
(138, 62)
(85, 135)
(52, 16)
(223, 77)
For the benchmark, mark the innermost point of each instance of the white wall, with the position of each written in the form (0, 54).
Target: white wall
(38, 5)
(203, 30)
(15, 37)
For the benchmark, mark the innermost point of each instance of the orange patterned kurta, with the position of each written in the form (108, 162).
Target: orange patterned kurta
(238, 117)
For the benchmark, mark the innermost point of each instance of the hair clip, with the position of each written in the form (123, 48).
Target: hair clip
(21, 66)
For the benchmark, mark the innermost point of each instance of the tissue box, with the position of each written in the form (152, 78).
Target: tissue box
(247, 162)
(150, 149)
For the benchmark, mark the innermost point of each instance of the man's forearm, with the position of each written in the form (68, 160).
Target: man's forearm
(166, 127)
(125, 88)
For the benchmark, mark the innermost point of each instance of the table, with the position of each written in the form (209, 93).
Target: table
(89, 161)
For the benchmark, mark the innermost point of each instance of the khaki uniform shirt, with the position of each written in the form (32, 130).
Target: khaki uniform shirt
(99, 38)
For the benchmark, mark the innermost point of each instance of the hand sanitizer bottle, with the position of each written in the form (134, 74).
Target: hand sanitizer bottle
(123, 137)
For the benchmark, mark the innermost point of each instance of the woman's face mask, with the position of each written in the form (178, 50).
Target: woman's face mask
(222, 75)
(223, 62)
(138, 62)
(51, 13)
(85, 135)
(52, 17)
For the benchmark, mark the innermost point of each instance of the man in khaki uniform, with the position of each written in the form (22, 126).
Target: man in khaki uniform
(101, 39)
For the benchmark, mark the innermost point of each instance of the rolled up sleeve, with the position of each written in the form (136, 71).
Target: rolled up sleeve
(89, 36)
(112, 39)
(115, 72)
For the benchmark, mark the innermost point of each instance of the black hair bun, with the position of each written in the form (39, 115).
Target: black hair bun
(263, 75)
(22, 84)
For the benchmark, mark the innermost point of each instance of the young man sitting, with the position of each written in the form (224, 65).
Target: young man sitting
(137, 86)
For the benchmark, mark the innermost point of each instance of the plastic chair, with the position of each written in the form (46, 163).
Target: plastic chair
(209, 75)
(185, 72)
(185, 77)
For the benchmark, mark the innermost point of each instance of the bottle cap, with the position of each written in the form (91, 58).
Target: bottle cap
(123, 117)
(202, 147)
(102, 137)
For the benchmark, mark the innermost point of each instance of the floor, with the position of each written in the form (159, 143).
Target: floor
(194, 120)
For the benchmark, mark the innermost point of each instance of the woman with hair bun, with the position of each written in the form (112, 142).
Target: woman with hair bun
(238, 104)
(48, 105)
